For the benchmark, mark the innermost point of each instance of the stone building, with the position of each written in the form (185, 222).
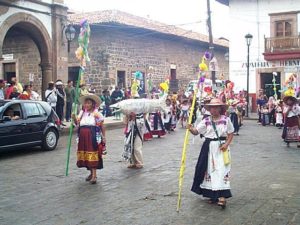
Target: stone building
(122, 44)
(32, 43)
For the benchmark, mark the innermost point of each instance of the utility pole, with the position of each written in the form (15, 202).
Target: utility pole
(211, 44)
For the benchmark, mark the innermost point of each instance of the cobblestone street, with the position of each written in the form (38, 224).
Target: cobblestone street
(265, 185)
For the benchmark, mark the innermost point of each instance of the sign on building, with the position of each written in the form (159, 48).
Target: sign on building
(7, 57)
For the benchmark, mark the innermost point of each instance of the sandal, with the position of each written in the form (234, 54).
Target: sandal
(222, 203)
(131, 166)
(93, 180)
(212, 201)
(88, 178)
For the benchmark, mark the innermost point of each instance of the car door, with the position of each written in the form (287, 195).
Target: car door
(12, 131)
(36, 120)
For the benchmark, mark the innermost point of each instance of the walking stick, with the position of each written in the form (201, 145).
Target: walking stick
(185, 143)
(201, 78)
(82, 55)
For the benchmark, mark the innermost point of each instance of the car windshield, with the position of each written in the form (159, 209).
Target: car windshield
(2, 104)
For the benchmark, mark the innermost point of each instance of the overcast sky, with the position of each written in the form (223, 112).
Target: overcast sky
(192, 13)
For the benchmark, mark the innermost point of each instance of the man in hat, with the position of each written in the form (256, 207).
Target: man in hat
(51, 95)
(60, 100)
(70, 97)
(2, 91)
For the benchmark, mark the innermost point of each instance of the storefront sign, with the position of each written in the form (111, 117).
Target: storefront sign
(270, 64)
(7, 57)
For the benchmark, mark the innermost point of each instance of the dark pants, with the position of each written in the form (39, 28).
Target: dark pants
(106, 111)
(68, 110)
(272, 118)
(60, 111)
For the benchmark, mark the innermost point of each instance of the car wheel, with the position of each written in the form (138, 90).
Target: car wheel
(50, 140)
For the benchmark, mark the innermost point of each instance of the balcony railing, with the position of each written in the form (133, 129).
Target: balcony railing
(281, 44)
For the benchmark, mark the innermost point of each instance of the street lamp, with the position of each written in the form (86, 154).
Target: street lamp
(248, 38)
(70, 34)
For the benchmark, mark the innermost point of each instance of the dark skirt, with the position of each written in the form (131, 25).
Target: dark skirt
(200, 171)
(235, 121)
(291, 129)
(88, 156)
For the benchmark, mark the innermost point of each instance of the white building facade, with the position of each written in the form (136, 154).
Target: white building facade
(275, 47)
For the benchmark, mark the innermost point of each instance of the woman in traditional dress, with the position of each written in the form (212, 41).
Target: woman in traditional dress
(271, 107)
(279, 114)
(134, 140)
(157, 125)
(234, 116)
(147, 130)
(168, 115)
(291, 121)
(174, 114)
(212, 173)
(91, 136)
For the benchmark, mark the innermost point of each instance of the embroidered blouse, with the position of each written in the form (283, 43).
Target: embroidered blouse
(295, 111)
(90, 119)
(223, 126)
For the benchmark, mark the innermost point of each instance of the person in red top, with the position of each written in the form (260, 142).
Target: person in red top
(26, 95)
(9, 90)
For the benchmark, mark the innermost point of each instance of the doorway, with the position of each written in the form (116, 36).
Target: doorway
(267, 84)
(121, 79)
(73, 73)
(9, 71)
(173, 81)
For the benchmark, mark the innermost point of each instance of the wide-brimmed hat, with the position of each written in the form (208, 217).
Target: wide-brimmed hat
(233, 102)
(292, 98)
(92, 97)
(59, 83)
(215, 102)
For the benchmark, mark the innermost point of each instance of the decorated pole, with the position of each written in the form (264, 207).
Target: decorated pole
(201, 78)
(83, 57)
(274, 85)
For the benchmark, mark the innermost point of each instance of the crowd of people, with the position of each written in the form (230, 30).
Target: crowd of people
(216, 119)
(283, 114)
(15, 90)
(211, 176)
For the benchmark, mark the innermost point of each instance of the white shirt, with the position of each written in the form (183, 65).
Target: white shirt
(1, 93)
(223, 126)
(52, 98)
(294, 112)
(89, 119)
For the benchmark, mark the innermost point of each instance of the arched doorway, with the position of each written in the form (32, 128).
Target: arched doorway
(25, 38)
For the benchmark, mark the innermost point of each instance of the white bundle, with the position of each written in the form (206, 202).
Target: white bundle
(141, 105)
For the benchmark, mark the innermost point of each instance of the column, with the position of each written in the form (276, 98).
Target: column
(47, 76)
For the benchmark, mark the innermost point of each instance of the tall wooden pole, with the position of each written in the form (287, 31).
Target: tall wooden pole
(211, 44)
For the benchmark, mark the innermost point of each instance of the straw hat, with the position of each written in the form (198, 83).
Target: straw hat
(59, 82)
(215, 102)
(292, 98)
(233, 102)
(92, 97)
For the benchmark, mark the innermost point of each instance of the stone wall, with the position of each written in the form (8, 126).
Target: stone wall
(26, 56)
(129, 50)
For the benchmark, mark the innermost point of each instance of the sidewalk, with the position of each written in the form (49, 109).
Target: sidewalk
(252, 116)
(110, 123)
